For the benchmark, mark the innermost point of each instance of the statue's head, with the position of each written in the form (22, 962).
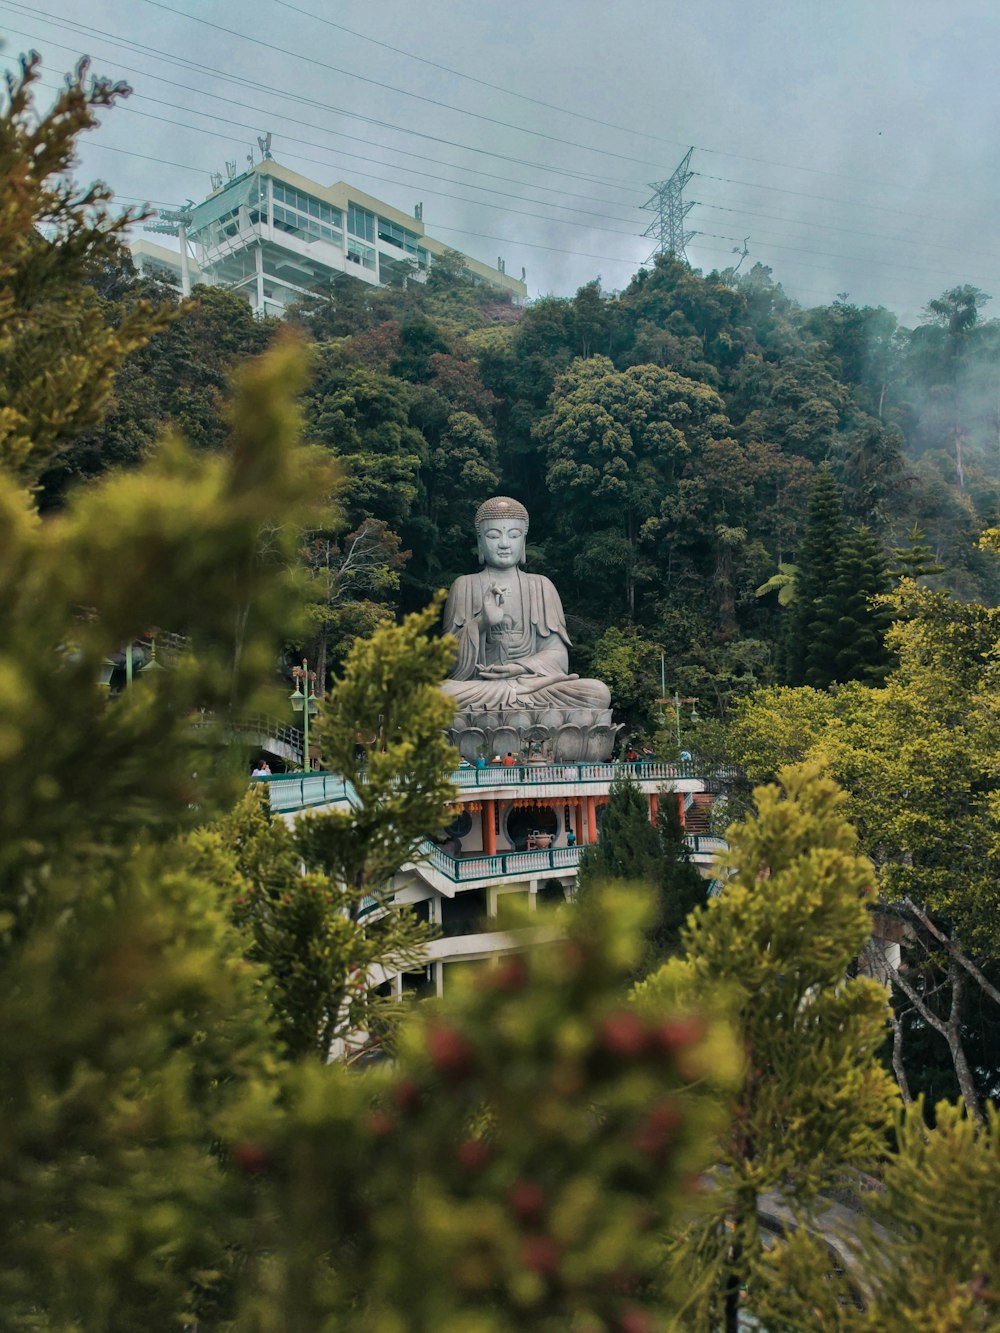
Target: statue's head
(501, 529)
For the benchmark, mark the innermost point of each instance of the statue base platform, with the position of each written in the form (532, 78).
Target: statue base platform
(558, 735)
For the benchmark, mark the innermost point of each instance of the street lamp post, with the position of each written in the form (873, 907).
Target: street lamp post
(303, 699)
(676, 700)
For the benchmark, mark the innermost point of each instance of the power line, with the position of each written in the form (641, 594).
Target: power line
(426, 175)
(472, 78)
(272, 115)
(783, 248)
(477, 203)
(666, 247)
(389, 87)
(580, 115)
(402, 129)
(243, 81)
(822, 198)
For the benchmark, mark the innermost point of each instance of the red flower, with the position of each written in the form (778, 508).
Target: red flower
(527, 1199)
(473, 1155)
(251, 1158)
(624, 1034)
(540, 1254)
(450, 1053)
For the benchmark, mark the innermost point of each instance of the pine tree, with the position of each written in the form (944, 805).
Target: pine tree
(680, 886)
(629, 846)
(633, 850)
(916, 560)
(820, 548)
(778, 944)
(60, 346)
(849, 630)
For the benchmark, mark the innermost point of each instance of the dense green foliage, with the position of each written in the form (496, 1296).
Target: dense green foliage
(171, 1157)
(918, 758)
(667, 439)
(814, 1101)
(633, 849)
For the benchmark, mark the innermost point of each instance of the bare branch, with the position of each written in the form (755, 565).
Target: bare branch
(954, 949)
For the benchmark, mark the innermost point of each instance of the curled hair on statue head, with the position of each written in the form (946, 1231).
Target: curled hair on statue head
(501, 506)
(497, 507)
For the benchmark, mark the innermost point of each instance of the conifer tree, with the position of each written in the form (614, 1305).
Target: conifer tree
(819, 550)
(835, 633)
(59, 351)
(631, 848)
(917, 559)
(680, 885)
(849, 627)
(815, 1101)
(628, 847)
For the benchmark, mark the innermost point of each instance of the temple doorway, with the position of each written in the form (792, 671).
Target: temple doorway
(526, 820)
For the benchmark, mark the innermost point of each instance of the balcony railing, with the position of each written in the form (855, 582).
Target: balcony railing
(301, 791)
(530, 775)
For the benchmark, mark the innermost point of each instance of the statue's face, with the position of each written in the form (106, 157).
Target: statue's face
(501, 542)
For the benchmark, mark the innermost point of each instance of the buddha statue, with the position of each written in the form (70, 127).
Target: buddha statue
(513, 647)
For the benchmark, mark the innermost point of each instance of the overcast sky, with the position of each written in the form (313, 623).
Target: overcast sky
(854, 142)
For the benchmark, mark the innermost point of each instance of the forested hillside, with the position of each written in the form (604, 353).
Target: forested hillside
(667, 440)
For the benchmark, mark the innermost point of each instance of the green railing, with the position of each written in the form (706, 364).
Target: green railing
(461, 868)
(313, 788)
(529, 775)
(301, 791)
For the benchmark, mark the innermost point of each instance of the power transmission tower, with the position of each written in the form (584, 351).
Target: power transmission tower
(671, 210)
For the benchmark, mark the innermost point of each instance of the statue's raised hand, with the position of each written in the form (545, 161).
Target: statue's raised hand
(493, 604)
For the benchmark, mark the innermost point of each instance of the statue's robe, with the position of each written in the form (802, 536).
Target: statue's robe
(538, 644)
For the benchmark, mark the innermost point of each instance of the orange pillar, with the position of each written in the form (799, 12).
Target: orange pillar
(680, 810)
(591, 819)
(489, 828)
(654, 808)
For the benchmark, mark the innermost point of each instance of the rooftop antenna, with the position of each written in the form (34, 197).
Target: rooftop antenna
(524, 274)
(250, 156)
(231, 168)
(501, 266)
(671, 210)
(418, 212)
(216, 180)
(175, 222)
(264, 144)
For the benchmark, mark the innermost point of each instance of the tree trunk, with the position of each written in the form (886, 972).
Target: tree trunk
(965, 1080)
(959, 465)
(731, 1306)
(898, 1067)
(951, 1030)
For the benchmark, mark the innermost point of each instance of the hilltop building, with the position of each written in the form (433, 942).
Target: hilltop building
(516, 838)
(277, 236)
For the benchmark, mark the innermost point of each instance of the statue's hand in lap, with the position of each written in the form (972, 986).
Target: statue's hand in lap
(502, 612)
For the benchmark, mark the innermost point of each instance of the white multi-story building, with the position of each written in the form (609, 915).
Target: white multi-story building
(277, 236)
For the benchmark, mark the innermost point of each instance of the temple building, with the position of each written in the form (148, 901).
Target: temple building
(515, 837)
(276, 236)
